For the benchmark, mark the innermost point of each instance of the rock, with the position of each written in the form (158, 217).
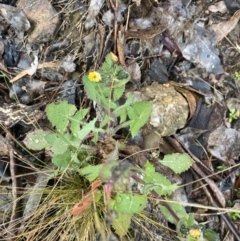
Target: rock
(170, 109)
(43, 15)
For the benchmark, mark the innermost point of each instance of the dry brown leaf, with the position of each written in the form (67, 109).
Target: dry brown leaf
(191, 99)
(120, 47)
(96, 184)
(224, 28)
(87, 200)
(52, 65)
(83, 205)
(145, 33)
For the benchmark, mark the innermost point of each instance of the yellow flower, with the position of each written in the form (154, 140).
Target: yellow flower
(195, 232)
(94, 76)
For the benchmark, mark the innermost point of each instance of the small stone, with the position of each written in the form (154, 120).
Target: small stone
(45, 17)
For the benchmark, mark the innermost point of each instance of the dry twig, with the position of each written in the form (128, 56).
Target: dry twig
(12, 227)
(115, 7)
(220, 202)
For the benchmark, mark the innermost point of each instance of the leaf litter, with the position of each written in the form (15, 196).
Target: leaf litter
(162, 41)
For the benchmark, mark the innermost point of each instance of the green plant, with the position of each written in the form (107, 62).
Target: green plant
(189, 230)
(234, 216)
(105, 88)
(237, 76)
(233, 115)
(221, 167)
(90, 148)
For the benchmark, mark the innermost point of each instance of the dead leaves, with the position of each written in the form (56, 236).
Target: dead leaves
(87, 200)
(28, 70)
(224, 28)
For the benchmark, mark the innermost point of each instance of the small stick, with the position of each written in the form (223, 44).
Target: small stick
(198, 170)
(12, 227)
(59, 86)
(218, 194)
(115, 7)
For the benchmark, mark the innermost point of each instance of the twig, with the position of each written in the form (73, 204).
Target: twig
(12, 227)
(224, 216)
(212, 185)
(115, 7)
(59, 86)
(209, 196)
(199, 171)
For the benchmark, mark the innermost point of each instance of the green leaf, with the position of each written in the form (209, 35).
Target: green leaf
(118, 92)
(71, 140)
(185, 224)
(86, 129)
(91, 172)
(59, 114)
(156, 181)
(107, 91)
(96, 131)
(122, 75)
(210, 235)
(189, 220)
(178, 209)
(76, 119)
(58, 144)
(35, 140)
(62, 160)
(108, 64)
(106, 120)
(119, 86)
(178, 162)
(122, 223)
(95, 91)
(130, 203)
(117, 112)
(139, 112)
(123, 116)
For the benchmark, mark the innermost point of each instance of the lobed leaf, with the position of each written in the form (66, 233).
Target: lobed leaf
(86, 129)
(58, 144)
(122, 223)
(108, 64)
(156, 181)
(118, 92)
(76, 119)
(58, 114)
(139, 112)
(91, 172)
(95, 91)
(36, 140)
(62, 160)
(178, 162)
(130, 203)
(177, 208)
